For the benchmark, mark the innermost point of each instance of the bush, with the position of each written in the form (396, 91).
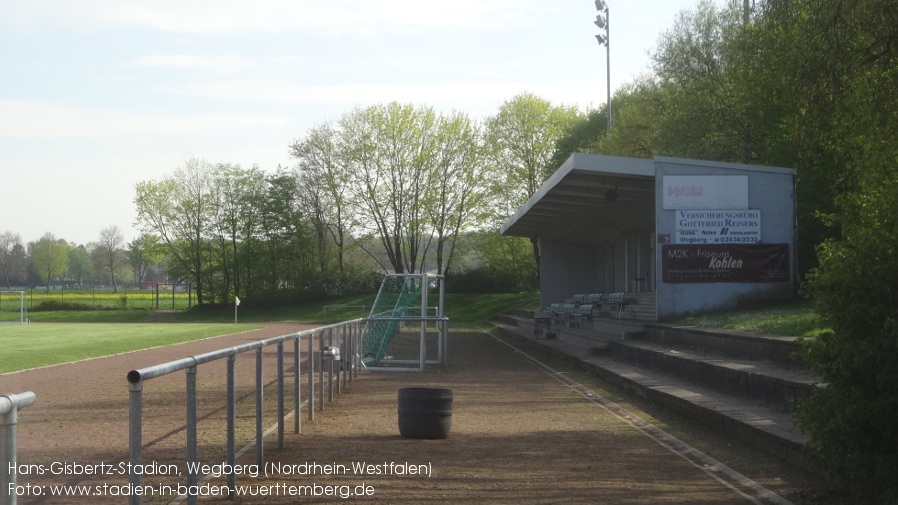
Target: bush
(52, 305)
(486, 280)
(853, 420)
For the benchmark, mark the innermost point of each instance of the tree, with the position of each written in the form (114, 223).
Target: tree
(179, 209)
(841, 60)
(323, 183)
(12, 258)
(582, 135)
(709, 112)
(80, 268)
(636, 107)
(389, 149)
(851, 422)
(110, 252)
(49, 256)
(456, 199)
(521, 139)
(235, 192)
(143, 253)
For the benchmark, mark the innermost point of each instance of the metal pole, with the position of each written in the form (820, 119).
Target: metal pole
(191, 436)
(280, 395)
(135, 406)
(232, 421)
(443, 335)
(259, 396)
(423, 345)
(311, 380)
(608, 63)
(359, 342)
(297, 400)
(320, 372)
(330, 381)
(344, 355)
(350, 353)
(10, 404)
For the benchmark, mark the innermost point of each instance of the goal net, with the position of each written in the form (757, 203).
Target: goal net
(12, 305)
(402, 329)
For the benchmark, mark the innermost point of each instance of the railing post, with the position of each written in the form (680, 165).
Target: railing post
(191, 435)
(320, 361)
(350, 352)
(135, 426)
(359, 342)
(280, 394)
(311, 384)
(297, 398)
(344, 355)
(422, 349)
(330, 381)
(10, 404)
(231, 421)
(260, 453)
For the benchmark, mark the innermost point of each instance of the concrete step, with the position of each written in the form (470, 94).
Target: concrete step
(763, 381)
(768, 428)
(775, 348)
(743, 402)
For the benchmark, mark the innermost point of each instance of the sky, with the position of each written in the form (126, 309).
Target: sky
(99, 95)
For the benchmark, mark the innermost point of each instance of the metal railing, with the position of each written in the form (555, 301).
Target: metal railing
(334, 341)
(10, 405)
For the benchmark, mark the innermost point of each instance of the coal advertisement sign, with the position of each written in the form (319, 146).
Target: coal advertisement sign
(696, 263)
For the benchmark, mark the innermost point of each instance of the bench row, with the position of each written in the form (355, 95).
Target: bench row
(582, 306)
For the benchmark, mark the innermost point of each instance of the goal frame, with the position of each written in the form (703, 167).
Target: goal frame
(23, 310)
(423, 319)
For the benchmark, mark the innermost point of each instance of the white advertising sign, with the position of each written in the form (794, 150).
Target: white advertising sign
(705, 192)
(721, 226)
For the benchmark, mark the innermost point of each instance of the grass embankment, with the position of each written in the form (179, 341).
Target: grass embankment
(795, 319)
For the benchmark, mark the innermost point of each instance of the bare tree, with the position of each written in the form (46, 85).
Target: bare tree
(322, 183)
(110, 252)
(12, 257)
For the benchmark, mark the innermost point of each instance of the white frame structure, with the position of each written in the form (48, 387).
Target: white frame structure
(23, 310)
(424, 318)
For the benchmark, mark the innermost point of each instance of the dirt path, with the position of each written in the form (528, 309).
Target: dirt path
(518, 436)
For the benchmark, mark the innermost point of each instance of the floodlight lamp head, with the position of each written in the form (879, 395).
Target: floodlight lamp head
(600, 5)
(602, 40)
(600, 21)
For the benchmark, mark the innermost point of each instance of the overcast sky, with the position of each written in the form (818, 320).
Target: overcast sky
(98, 95)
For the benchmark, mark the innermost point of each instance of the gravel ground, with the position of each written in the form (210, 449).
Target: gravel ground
(518, 436)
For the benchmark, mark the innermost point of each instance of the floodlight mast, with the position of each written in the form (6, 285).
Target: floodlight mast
(602, 22)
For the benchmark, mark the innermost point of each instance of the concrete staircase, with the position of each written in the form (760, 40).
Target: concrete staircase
(741, 384)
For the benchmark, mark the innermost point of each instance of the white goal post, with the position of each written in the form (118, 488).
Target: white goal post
(23, 311)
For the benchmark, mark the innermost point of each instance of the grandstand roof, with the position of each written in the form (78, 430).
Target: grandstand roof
(591, 198)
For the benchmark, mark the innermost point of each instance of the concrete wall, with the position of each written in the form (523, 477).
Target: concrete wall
(568, 269)
(770, 190)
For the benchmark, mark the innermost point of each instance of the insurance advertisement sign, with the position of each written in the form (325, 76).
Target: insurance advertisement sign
(718, 226)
